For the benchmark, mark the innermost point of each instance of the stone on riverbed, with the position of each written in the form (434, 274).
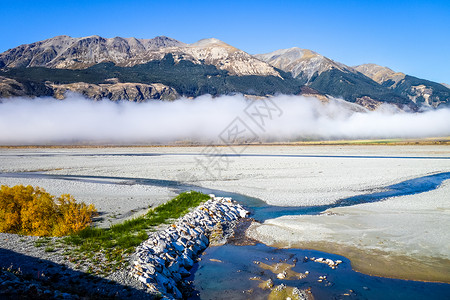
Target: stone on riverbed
(332, 264)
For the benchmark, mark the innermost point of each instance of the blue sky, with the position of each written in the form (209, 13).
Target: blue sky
(408, 36)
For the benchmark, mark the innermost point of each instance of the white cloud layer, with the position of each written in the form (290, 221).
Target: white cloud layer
(78, 120)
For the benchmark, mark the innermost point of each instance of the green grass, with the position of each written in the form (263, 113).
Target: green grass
(122, 238)
(43, 241)
(49, 249)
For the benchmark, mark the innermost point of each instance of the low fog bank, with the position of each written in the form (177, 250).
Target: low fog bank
(207, 120)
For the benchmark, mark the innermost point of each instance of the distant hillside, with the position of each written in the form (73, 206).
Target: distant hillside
(164, 68)
(361, 84)
(187, 78)
(419, 91)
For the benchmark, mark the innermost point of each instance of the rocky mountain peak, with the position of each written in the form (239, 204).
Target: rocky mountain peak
(290, 54)
(301, 62)
(218, 45)
(95, 36)
(378, 73)
(215, 52)
(209, 42)
(164, 42)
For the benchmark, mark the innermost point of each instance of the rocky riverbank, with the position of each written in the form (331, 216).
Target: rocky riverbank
(163, 261)
(29, 270)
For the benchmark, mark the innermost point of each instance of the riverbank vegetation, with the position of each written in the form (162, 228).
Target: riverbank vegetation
(102, 251)
(31, 210)
(28, 210)
(125, 236)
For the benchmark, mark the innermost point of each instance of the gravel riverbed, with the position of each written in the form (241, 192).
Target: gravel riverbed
(34, 272)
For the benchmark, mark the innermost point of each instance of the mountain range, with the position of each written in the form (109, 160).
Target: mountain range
(164, 68)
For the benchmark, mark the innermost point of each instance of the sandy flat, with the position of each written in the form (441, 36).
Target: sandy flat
(279, 175)
(303, 175)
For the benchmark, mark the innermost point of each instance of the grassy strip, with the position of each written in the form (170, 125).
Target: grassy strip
(121, 239)
(422, 141)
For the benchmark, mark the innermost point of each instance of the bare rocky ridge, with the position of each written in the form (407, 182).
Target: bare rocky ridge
(114, 91)
(12, 88)
(65, 52)
(368, 103)
(117, 91)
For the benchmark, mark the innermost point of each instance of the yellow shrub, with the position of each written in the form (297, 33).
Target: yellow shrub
(72, 216)
(11, 201)
(33, 211)
(38, 214)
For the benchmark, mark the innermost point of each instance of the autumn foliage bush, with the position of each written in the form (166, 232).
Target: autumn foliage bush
(33, 211)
